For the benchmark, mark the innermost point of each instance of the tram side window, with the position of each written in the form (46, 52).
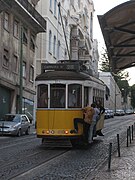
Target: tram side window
(74, 96)
(42, 96)
(58, 96)
(86, 96)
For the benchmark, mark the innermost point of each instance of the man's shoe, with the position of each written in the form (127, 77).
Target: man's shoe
(90, 142)
(100, 134)
(74, 131)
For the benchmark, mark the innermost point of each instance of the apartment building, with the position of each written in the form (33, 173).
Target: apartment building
(69, 33)
(19, 25)
(51, 45)
(113, 98)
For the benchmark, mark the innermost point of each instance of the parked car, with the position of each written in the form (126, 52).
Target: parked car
(111, 113)
(107, 113)
(119, 112)
(15, 124)
(129, 111)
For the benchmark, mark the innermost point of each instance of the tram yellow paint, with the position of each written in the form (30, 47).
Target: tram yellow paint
(56, 122)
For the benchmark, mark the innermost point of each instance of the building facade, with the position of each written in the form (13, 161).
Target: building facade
(113, 99)
(17, 47)
(69, 33)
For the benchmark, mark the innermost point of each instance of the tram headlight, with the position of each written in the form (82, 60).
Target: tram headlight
(43, 131)
(47, 132)
(52, 132)
(66, 132)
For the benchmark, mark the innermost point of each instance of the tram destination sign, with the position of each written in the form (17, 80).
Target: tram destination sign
(61, 66)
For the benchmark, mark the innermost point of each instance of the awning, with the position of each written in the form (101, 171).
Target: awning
(118, 28)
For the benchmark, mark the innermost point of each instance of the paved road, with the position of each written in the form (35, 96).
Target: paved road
(23, 158)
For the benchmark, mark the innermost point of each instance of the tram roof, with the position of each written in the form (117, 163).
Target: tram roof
(66, 75)
(118, 29)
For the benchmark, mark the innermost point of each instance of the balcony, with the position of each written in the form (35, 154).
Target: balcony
(24, 10)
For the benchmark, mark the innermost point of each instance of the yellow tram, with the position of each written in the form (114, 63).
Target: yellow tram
(62, 91)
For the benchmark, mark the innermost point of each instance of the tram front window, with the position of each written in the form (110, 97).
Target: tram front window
(58, 96)
(74, 96)
(42, 96)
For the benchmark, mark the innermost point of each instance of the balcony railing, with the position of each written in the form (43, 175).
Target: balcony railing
(27, 9)
(33, 12)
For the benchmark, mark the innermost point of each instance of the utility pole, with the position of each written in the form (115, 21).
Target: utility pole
(21, 71)
(115, 99)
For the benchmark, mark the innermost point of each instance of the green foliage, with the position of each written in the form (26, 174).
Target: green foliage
(106, 67)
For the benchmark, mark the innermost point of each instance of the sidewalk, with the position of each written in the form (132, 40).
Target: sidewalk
(122, 168)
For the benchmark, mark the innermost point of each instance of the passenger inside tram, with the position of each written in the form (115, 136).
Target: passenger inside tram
(42, 96)
(71, 99)
(43, 100)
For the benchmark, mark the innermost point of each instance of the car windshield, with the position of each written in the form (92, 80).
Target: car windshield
(11, 118)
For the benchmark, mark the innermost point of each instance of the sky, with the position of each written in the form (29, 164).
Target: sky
(101, 7)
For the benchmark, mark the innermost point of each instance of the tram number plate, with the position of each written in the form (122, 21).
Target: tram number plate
(61, 132)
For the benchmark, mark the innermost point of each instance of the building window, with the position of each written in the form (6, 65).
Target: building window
(25, 36)
(15, 64)
(16, 29)
(91, 24)
(55, 6)
(72, 2)
(51, 5)
(54, 46)
(65, 54)
(32, 42)
(24, 70)
(6, 21)
(6, 58)
(58, 50)
(50, 40)
(27, 108)
(31, 73)
(58, 15)
(79, 4)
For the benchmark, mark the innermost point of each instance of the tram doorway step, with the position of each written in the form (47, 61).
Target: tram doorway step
(56, 143)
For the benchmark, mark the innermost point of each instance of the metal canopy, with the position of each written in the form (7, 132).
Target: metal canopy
(118, 29)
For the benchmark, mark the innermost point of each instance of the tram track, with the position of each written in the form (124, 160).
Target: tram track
(38, 167)
(14, 169)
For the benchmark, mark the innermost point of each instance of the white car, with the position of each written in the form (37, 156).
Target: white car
(14, 124)
(119, 112)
